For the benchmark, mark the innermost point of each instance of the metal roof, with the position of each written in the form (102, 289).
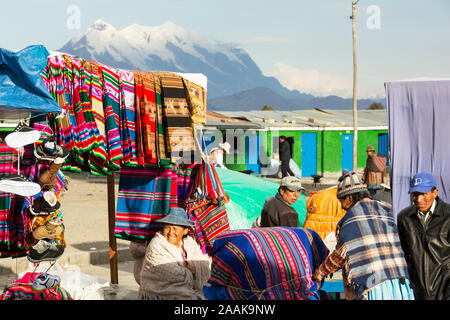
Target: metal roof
(311, 118)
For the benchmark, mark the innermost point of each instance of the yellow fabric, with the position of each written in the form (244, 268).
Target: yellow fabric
(323, 211)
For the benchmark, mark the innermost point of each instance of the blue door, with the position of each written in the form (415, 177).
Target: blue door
(383, 146)
(207, 143)
(347, 152)
(309, 154)
(253, 143)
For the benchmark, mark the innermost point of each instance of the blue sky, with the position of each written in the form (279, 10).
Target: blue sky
(307, 45)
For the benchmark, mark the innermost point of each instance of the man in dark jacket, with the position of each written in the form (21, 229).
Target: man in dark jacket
(424, 234)
(285, 157)
(278, 211)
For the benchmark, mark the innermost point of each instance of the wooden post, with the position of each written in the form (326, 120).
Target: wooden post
(355, 112)
(111, 224)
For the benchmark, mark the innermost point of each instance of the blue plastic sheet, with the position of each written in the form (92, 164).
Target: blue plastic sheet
(419, 133)
(22, 89)
(247, 196)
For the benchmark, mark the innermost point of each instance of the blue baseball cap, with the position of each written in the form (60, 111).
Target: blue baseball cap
(422, 182)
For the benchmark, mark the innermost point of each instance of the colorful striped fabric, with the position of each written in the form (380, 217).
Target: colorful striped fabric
(144, 196)
(22, 289)
(98, 158)
(161, 141)
(266, 264)
(210, 221)
(111, 105)
(127, 117)
(12, 211)
(177, 121)
(147, 109)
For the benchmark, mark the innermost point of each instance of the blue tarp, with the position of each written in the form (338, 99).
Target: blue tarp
(419, 113)
(22, 89)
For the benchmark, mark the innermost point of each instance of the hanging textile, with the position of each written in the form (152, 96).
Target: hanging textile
(196, 97)
(206, 207)
(98, 158)
(266, 264)
(127, 117)
(178, 127)
(111, 103)
(145, 90)
(144, 196)
(160, 140)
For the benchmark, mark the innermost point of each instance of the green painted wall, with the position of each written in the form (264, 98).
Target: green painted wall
(332, 146)
(329, 141)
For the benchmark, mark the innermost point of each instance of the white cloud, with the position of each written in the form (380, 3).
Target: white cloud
(318, 83)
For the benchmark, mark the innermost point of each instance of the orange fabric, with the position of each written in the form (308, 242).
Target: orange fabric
(323, 211)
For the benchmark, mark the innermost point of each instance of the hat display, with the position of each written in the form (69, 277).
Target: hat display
(349, 183)
(370, 148)
(225, 146)
(422, 182)
(177, 216)
(291, 183)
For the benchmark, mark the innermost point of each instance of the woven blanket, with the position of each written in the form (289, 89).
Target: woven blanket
(145, 85)
(22, 289)
(111, 103)
(144, 195)
(177, 121)
(369, 232)
(164, 275)
(267, 263)
(160, 140)
(127, 117)
(98, 157)
(196, 98)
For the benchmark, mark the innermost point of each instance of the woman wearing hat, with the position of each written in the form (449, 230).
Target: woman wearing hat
(368, 247)
(216, 154)
(174, 266)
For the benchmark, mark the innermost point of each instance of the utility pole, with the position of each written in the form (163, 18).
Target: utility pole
(355, 113)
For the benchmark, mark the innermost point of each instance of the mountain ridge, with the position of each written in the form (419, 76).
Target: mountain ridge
(230, 70)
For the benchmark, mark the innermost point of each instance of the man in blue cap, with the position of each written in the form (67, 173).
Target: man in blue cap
(424, 235)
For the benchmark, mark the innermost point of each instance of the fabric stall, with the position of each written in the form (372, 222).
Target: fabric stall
(83, 116)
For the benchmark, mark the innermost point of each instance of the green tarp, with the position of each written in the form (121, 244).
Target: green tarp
(247, 196)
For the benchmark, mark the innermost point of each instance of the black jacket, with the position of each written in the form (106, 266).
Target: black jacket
(427, 250)
(285, 151)
(276, 212)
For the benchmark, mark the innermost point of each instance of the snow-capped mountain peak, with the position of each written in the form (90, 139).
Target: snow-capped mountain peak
(170, 47)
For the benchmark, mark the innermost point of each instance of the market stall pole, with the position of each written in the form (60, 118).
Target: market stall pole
(111, 223)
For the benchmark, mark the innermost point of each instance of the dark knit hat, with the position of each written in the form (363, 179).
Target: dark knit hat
(349, 183)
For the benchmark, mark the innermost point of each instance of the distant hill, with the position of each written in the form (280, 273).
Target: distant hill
(256, 98)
